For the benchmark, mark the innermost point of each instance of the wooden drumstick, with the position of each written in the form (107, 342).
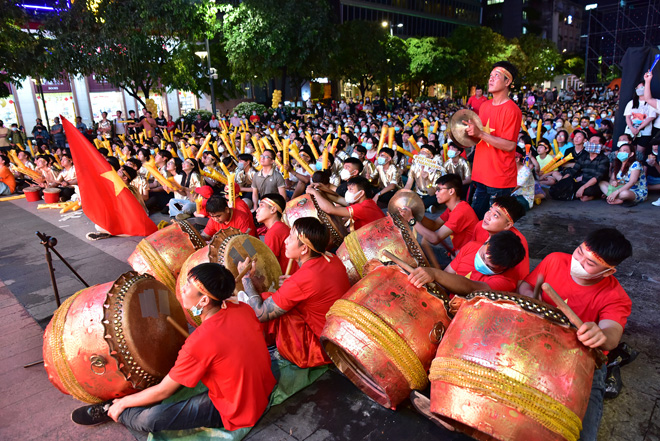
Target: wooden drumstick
(398, 261)
(177, 326)
(289, 266)
(537, 287)
(247, 268)
(563, 307)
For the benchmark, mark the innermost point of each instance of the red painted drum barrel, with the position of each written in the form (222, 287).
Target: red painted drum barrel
(306, 206)
(227, 248)
(114, 339)
(385, 234)
(509, 368)
(52, 195)
(163, 253)
(383, 334)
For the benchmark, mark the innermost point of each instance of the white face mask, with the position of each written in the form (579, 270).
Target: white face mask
(345, 175)
(355, 155)
(351, 198)
(578, 271)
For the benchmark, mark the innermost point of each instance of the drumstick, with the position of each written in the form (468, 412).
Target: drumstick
(537, 287)
(247, 268)
(288, 268)
(563, 307)
(398, 261)
(177, 326)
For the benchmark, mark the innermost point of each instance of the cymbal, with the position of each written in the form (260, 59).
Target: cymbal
(458, 125)
(407, 198)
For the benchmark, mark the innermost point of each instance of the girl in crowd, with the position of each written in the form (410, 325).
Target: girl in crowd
(627, 184)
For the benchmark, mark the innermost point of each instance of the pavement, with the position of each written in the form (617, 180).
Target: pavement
(332, 408)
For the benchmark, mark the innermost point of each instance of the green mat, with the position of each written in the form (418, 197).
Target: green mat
(290, 379)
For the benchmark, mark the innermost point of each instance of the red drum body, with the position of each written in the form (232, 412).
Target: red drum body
(227, 248)
(507, 369)
(306, 206)
(369, 242)
(383, 334)
(163, 253)
(112, 340)
(32, 194)
(52, 195)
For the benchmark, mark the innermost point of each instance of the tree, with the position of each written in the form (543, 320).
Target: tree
(269, 38)
(480, 48)
(542, 59)
(397, 64)
(137, 45)
(572, 64)
(433, 60)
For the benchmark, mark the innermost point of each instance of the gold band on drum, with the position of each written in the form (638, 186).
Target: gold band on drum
(355, 252)
(396, 348)
(510, 392)
(62, 367)
(160, 268)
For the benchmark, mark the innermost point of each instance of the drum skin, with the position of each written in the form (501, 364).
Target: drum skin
(268, 271)
(383, 335)
(112, 340)
(163, 253)
(499, 367)
(305, 206)
(371, 240)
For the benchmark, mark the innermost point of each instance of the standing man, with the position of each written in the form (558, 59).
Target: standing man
(477, 99)
(120, 128)
(268, 180)
(58, 133)
(494, 170)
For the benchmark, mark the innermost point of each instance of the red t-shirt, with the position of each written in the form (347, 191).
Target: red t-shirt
(522, 269)
(274, 239)
(461, 221)
(313, 289)
(240, 204)
(494, 167)
(239, 219)
(476, 103)
(236, 371)
(463, 265)
(604, 300)
(364, 213)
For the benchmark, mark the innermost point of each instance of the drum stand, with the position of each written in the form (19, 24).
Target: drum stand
(49, 243)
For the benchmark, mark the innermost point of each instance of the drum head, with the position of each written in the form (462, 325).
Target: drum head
(137, 330)
(237, 248)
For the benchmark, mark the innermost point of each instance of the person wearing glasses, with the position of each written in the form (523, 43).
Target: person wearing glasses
(268, 180)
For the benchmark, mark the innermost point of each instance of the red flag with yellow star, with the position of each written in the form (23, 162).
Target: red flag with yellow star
(105, 199)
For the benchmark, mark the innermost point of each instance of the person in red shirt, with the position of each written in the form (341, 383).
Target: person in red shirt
(457, 220)
(477, 99)
(236, 371)
(295, 313)
(494, 171)
(269, 213)
(222, 217)
(487, 266)
(362, 209)
(585, 281)
(505, 211)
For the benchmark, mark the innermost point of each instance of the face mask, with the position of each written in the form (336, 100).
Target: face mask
(481, 266)
(603, 115)
(622, 156)
(570, 114)
(389, 123)
(367, 146)
(351, 198)
(240, 166)
(577, 270)
(195, 311)
(372, 131)
(235, 115)
(534, 125)
(592, 148)
(443, 128)
(558, 124)
(363, 129)
(214, 134)
(280, 131)
(355, 155)
(319, 165)
(14, 128)
(620, 143)
(344, 174)
(521, 145)
(397, 129)
(451, 154)
(574, 124)
(381, 160)
(221, 149)
(640, 91)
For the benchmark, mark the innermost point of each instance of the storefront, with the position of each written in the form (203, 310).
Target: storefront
(8, 112)
(57, 98)
(104, 98)
(187, 102)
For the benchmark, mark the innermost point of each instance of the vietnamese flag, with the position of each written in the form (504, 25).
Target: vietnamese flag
(105, 199)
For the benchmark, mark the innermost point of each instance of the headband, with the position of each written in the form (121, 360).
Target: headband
(504, 72)
(273, 204)
(506, 212)
(592, 255)
(201, 288)
(306, 241)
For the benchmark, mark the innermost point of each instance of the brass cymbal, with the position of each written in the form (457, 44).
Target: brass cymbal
(458, 125)
(407, 198)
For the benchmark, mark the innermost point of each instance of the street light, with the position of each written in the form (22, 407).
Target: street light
(212, 73)
(386, 24)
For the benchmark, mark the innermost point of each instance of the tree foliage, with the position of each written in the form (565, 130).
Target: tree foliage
(542, 62)
(479, 48)
(433, 60)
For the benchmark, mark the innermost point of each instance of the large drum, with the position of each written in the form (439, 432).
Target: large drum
(114, 339)
(228, 247)
(509, 368)
(383, 334)
(369, 242)
(163, 253)
(306, 206)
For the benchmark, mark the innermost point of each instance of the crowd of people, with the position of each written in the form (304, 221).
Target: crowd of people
(353, 157)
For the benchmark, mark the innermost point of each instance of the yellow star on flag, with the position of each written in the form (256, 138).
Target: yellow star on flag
(487, 128)
(117, 182)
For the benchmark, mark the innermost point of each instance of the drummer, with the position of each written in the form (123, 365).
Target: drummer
(586, 282)
(478, 266)
(269, 213)
(237, 371)
(295, 313)
(424, 176)
(221, 217)
(361, 210)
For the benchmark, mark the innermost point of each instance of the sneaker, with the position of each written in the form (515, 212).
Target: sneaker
(183, 216)
(613, 382)
(422, 404)
(621, 355)
(656, 203)
(92, 415)
(98, 236)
